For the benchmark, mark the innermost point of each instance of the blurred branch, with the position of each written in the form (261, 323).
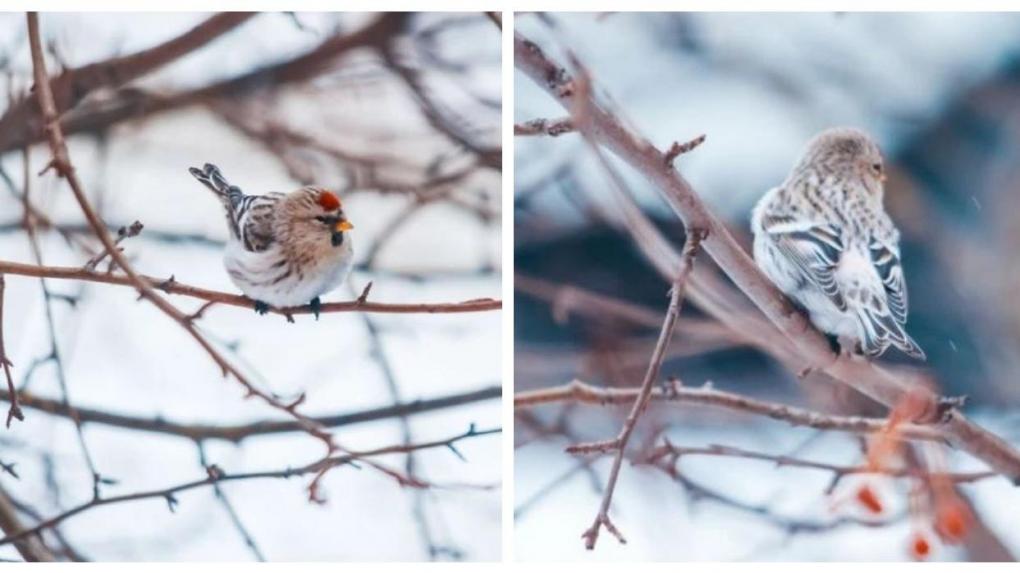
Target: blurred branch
(240, 432)
(15, 410)
(540, 126)
(22, 122)
(31, 548)
(221, 496)
(169, 494)
(496, 17)
(812, 346)
(134, 104)
(172, 286)
(582, 393)
(444, 121)
(670, 453)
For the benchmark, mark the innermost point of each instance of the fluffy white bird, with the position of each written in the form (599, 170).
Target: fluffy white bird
(284, 249)
(825, 240)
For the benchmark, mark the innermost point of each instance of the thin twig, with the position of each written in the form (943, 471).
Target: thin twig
(169, 494)
(240, 432)
(678, 149)
(590, 536)
(580, 392)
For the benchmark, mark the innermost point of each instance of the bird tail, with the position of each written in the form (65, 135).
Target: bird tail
(880, 330)
(230, 195)
(211, 177)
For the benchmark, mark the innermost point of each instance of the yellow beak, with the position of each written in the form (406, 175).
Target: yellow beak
(343, 226)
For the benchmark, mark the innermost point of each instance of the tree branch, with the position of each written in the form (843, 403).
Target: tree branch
(694, 238)
(22, 122)
(172, 286)
(218, 477)
(240, 432)
(582, 393)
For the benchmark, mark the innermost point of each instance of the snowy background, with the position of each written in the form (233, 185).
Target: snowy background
(126, 357)
(941, 94)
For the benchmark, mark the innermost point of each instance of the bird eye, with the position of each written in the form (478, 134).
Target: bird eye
(321, 219)
(877, 167)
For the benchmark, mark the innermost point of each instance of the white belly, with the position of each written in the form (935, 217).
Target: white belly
(262, 277)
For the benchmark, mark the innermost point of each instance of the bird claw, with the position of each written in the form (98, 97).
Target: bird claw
(316, 307)
(261, 308)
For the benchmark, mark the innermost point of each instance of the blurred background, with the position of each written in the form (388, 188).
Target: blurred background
(400, 114)
(941, 94)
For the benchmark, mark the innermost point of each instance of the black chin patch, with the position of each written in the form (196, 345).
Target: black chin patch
(337, 239)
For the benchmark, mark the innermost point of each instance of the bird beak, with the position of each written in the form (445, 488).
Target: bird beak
(342, 226)
(883, 177)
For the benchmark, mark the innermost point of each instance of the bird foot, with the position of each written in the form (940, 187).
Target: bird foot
(316, 307)
(261, 308)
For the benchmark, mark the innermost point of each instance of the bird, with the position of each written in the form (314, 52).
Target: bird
(824, 238)
(285, 249)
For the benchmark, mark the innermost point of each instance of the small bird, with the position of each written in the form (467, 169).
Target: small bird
(824, 238)
(284, 249)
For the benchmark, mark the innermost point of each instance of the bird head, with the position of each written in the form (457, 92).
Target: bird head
(319, 213)
(846, 152)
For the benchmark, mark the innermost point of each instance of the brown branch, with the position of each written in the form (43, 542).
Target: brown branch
(31, 548)
(240, 432)
(619, 444)
(172, 286)
(542, 126)
(582, 393)
(134, 104)
(678, 149)
(22, 122)
(496, 18)
(443, 121)
(12, 392)
(61, 163)
(123, 233)
(812, 346)
(218, 477)
(673, 453)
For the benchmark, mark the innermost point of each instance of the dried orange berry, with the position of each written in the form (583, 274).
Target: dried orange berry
(867, 497)
(920, 548)
(952, 519)
(329, 201)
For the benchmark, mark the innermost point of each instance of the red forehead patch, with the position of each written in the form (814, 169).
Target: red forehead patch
(329, 201)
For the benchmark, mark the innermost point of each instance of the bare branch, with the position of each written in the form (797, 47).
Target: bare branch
(237, 433)
(172, 286)
(591, 535)
(217, 477)
(582, 393)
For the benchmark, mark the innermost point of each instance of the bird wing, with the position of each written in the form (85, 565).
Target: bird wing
(255, 215)
(886, 260)
(814, 248)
